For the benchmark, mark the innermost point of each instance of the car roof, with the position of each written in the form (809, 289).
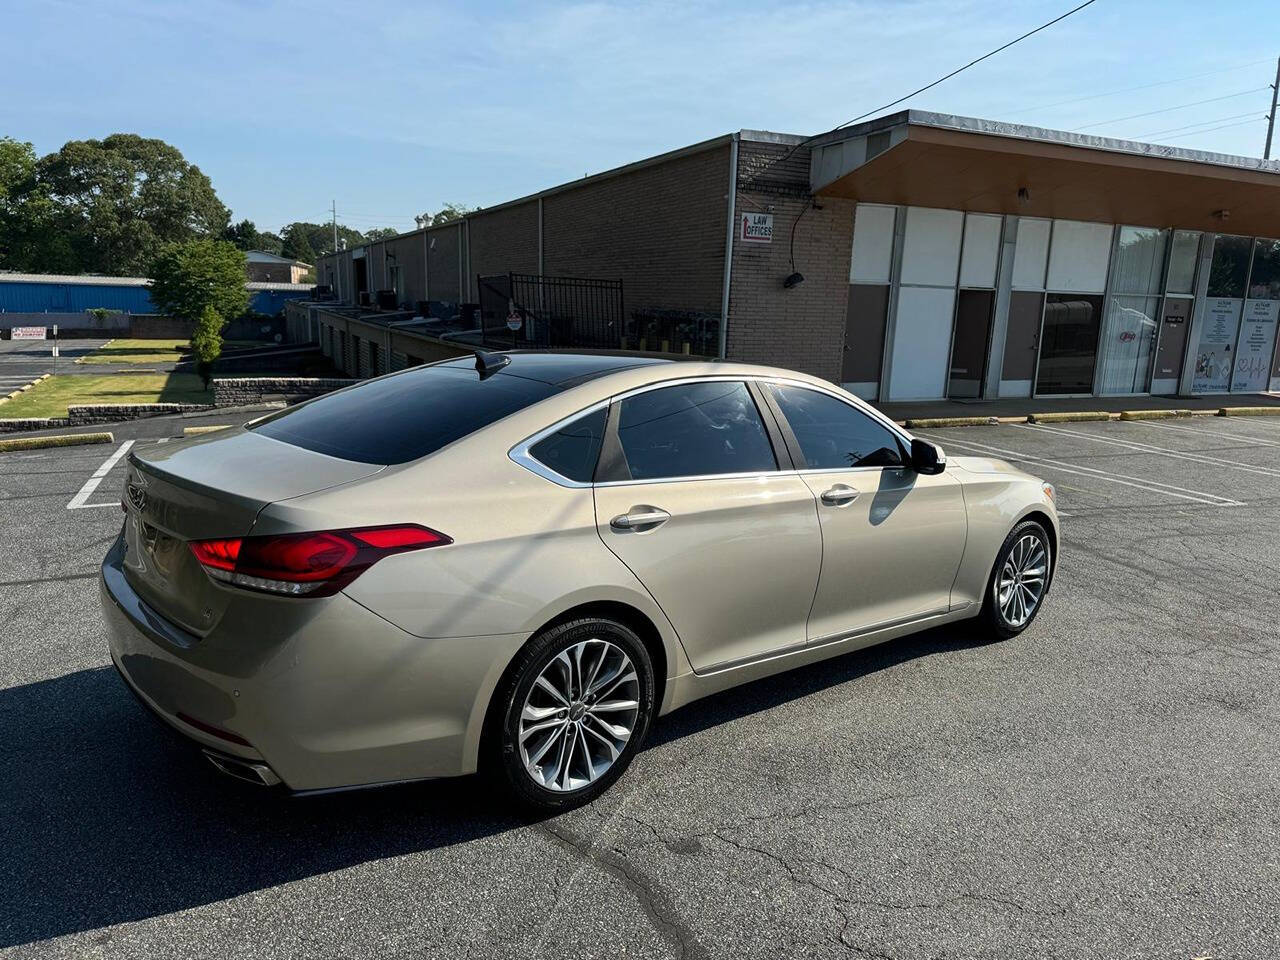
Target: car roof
(565, 369)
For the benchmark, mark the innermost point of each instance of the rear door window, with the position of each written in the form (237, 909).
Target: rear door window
(572, 450)
(402, 418)
(694, 430)
(833, 434)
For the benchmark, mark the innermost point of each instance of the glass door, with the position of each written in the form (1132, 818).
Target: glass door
(1257, 339)
(1131, 329)
(1215, 353)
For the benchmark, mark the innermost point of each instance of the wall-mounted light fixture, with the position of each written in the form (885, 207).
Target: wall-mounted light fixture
(1024, 196)
(793, 280)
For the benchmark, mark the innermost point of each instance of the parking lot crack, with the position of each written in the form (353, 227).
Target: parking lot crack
(655, 904)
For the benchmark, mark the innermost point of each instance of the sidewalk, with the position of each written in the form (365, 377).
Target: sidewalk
(1021, 408)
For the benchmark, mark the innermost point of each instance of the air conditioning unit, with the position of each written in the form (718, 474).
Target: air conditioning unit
(364, 300)
(387, 300)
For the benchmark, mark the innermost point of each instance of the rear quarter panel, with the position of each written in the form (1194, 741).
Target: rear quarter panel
(524, 549)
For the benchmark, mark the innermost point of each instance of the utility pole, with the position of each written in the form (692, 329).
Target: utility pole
(1271, 117)
(333, 204)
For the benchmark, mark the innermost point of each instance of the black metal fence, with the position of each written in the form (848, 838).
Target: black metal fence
(524, 310)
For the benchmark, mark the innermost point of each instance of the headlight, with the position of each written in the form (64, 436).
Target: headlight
(1049, 492)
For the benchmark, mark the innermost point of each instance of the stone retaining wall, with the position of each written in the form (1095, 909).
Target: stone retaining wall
(22, 424)
(238, 391)
(84, 414)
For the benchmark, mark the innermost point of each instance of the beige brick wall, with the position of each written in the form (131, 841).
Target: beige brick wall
(503, 241)
(801, 328)
(442, 262)
(660, 229)
(409, 254)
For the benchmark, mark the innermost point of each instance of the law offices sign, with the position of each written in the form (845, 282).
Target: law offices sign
(755, 227)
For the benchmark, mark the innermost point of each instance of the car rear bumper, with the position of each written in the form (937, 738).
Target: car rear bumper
(322, 694)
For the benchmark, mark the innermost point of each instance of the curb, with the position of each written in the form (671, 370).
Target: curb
(1153, 414)
(1249, 412)
(927, 422)
(25, 387)
(196, 431)
(1068, 417)
(58, 440)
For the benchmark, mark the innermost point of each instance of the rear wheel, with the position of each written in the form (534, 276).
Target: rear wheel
(1019, 580)
(574, 708)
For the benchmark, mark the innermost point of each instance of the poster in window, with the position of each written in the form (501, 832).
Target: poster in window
(1213, 359)
(1253, 353)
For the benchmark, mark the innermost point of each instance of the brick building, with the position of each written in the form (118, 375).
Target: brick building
(915, 256)
(263, 267)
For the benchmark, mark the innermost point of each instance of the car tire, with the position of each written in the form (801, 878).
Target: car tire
(577, 711)
(1007, 607)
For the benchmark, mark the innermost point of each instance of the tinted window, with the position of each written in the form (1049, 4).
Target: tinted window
(573, 449)
(694, 430)
(404, 417)
(833, 434)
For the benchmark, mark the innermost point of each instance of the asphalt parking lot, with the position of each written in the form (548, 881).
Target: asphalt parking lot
(1104, 785)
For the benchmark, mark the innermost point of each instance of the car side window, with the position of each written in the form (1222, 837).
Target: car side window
(693, 430)
(833, 434)
(572, 450)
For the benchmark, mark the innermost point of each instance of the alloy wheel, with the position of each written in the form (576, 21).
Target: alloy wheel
(1022, 581)
(579, 715)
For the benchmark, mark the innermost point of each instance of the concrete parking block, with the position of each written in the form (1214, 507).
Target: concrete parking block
(58, 440)
(1071, 416)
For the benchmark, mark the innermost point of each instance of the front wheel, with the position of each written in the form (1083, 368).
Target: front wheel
(1019, 580)
(575, 706)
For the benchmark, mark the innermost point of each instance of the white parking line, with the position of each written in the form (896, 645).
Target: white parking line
(1219, 434)
(90, 485)
(1139, 447)
(1151, 486)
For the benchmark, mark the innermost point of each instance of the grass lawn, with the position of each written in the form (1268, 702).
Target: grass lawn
(149, 351)
(50, 398)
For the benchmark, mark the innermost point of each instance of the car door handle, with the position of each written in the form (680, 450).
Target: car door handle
(839, 495)
(641, 516)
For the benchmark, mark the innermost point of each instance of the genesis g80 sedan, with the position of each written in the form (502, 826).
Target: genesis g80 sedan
(514, 563)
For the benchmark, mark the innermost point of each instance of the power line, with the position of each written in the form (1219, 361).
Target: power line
(971, 63)
(1181, 106)
(928, 86)
(1224, 127)
(1202, 123)
(1145, 86)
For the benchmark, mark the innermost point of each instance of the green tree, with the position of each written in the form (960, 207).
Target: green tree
(242, 235)
(245, 235)
(381, 233)
(319, 239)
(206, 342)
(105, 206)
(448, 213)
(198, 273)
(296, 244)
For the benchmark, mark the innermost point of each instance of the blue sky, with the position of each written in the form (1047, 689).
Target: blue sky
(392, 108)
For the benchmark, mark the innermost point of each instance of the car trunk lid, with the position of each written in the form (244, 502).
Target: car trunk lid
(210, 487)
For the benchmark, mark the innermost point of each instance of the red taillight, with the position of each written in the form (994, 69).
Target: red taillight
(308, 564)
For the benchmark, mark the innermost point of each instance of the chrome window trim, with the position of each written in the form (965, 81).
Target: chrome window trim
(520, 452)
(521, 455)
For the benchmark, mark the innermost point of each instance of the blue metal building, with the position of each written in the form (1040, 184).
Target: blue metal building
(55, 293)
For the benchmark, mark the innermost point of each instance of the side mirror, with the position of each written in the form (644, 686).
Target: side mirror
(927, 458)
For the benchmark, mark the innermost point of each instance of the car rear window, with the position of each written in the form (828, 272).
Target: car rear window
(404, 417)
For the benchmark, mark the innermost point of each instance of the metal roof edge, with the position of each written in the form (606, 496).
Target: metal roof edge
(1016, 131)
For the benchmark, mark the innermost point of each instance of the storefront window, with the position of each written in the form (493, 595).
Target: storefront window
(1264, 281)
(1129, 337)
(1068, 343)
(1230, 266)
(1182, 261)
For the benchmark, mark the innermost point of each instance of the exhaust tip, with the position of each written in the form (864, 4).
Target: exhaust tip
(255, 773)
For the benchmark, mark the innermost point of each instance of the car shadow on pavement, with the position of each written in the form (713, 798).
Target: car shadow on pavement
(108, 817)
